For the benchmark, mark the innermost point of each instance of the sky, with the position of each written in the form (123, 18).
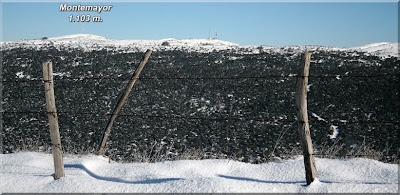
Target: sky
(337, 24)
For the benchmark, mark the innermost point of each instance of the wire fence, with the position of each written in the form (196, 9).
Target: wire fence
(116, 78)
(178, 117)
(216, 119)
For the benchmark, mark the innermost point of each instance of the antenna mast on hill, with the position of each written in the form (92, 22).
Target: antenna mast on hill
(209, 35)
(216, 35)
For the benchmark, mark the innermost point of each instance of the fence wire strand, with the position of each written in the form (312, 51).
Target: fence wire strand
(178, 117)
(337, 76)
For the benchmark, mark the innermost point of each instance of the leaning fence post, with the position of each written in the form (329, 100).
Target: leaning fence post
(53, 119)
(121, 101)
(302, 118)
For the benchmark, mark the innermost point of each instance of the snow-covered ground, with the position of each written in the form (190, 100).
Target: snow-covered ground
(90, 42)
(32, 172)
(93, 42)
(380, 49)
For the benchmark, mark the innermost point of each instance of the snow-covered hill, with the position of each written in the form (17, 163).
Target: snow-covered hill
(381, 49)
(32, 172)
(94, 42)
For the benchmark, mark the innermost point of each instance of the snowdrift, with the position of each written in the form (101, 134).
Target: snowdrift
(32, 172)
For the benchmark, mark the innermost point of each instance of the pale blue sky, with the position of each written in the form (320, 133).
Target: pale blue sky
(264, 23)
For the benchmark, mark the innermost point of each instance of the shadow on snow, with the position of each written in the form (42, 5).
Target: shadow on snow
(257, 180)
(357, 182)
(294, 182)
(113, 179)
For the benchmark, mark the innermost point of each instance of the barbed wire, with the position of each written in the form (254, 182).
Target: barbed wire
(178, 117)
(341, 155)
(117, 78)
(354, 76)
(173, 117)
(336, 76)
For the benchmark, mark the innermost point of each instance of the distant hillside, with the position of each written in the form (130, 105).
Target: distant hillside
(94, 42)
(381, 49)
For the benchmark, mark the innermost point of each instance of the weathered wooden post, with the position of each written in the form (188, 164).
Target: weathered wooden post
(122, 100)
(302, 118)
(53, 119)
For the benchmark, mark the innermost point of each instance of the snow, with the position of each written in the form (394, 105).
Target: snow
(32, 172)
(384, 49)
(318, 117)
(309, 87)
(335, 132)
(79, 36)
(89, 42)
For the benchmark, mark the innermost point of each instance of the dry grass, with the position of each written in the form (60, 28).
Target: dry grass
(159, 152)
(336, 150)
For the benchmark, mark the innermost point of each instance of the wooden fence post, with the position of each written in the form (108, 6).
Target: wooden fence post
(53, 119)
(122, 100)
(302, 118)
